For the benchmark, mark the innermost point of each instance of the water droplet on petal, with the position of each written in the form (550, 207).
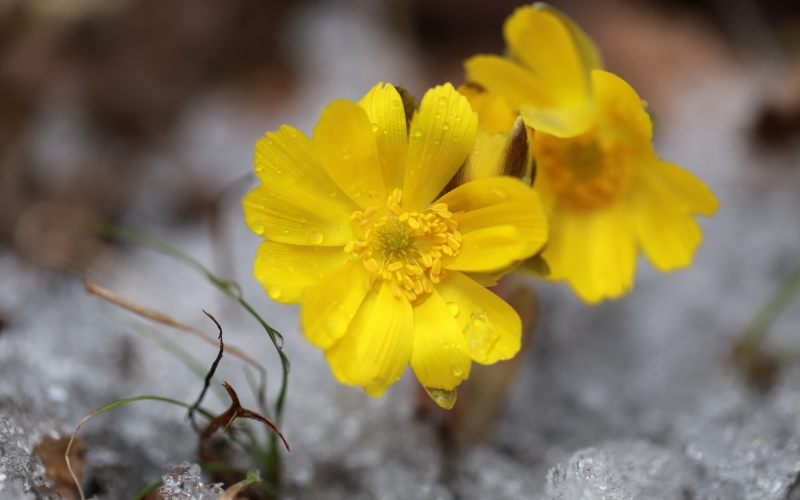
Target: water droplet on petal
(446, 126)
(289, 269)
(274, 292)
(444, 398)
(345, 154)
(442, 101)
(259, 167)
(375, 127)
(332, 194)
(355, 192)
(315, 237)
(457, 370)
(258, 228)
(317, 274)
(417, 132)
(453, 308)
(481, 334)
(375, 388)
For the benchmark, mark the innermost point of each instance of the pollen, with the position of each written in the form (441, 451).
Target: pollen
(405, 249)
(586, 172)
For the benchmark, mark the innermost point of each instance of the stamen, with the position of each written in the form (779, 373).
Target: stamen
(405, 249)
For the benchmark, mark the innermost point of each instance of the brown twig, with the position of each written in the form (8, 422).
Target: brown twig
(234, 412)
(162, 318)
(211, 372)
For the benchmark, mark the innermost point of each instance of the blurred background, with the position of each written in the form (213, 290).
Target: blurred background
(145, 112)
(104, 104)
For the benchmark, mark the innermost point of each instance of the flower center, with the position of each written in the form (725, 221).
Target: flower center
(586, 172)
(405, 249)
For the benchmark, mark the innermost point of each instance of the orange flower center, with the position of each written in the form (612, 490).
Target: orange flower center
(586, 172)
(405, 249)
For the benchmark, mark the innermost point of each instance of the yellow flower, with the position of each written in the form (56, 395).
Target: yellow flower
(381, 273)
(605, 192)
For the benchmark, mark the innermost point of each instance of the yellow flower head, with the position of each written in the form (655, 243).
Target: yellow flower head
(382, 273)
(605, 192)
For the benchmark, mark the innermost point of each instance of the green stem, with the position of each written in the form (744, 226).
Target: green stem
(231, 289)
(750, 342)
(150, 488)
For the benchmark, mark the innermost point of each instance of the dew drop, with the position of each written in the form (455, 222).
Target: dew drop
(375, 127)
(442, 101)
(274, 292)
(446, 126)
(289, 269)
(453, 308)
(259, 167)
(355, 192)
(332, 194)
(315, 237)
(345, 154)
(294, 133)
(417, 132)
(269, 140)
(317, 274)
(481, 334)
(457, 370)
(375, 388)
(444, 398)
(501, 193)
(258, 228)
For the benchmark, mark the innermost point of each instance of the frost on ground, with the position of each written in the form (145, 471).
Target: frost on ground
(183, 482)
(633, 399)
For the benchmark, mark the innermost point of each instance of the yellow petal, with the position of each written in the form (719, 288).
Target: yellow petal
(494, 113)
(296, 202)
(384, 108)
(377, 347)
(486, 158)
(506, 78)
(440, 357)
(345, 145)
(667, 232)
(594, 251)
(688, 189)
(489, 249)
(506, 204)
(329, 307)
(442, 134)
(491, 327)
(622, 109)
(588, 51)
(539, 38)
(524, 92)
(287, 272)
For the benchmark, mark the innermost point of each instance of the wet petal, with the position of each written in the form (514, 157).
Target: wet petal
(377, 347)
(345, 145)
(501, 220)
(440, 357)
(287, 272)
(296, 202)
(595, 252)
(491, 327)
(442, 134)
(384, 108)
(329, 307)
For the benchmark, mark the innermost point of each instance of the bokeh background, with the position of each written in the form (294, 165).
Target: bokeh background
(145, 112)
